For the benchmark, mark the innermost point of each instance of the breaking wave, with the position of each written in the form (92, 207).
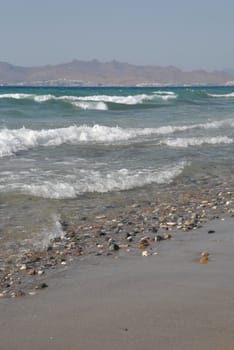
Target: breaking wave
(12, 141)
(97, 181)
(231, 94)
(197, 141)
(127, 100)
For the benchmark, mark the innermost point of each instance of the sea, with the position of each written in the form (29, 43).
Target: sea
(76, 152)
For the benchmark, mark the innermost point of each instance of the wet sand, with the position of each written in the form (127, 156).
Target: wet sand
(164, 301)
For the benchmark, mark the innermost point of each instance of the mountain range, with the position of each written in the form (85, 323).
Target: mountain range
(113, 73)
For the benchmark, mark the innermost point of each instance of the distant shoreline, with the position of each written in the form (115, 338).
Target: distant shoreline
(113, 86)
(113, 73)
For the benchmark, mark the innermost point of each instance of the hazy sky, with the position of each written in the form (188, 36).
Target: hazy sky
(189, 34)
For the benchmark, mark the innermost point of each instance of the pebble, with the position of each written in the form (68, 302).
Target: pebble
(41, 286)
(166, 236)
(83, 237)
(113, 247)
(158, 238)
(17, 294)
(211, 231)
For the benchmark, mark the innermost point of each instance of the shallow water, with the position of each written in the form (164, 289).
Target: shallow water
(78, 151)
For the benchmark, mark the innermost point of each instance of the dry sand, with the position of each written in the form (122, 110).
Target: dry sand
(167, 301)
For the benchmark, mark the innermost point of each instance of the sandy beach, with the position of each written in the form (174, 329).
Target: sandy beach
(163, 301)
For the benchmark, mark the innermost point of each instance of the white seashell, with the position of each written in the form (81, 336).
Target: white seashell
(145, 253)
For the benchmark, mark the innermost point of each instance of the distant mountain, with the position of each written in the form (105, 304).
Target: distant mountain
(87, 73)
(229, 71)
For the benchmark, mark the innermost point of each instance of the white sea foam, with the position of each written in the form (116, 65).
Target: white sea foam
(99, 181)
(165, 95)
(100, 106)
(197, 141)
(12, 141)
(231, 94)
(16, 96)
(128, 100)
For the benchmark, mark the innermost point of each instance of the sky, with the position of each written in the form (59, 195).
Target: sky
(188, 34)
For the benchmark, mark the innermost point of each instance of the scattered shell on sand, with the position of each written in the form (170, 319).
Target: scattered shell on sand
(145, 253)
(204, 260)
(205, 254)
(166, 236)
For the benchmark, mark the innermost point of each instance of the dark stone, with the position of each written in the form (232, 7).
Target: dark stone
(211, 231)
(158, 238)
(63, 224)
(41, 286)
(102, 233)
(113, 246)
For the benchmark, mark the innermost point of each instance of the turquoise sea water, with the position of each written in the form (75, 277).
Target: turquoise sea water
(59, 147)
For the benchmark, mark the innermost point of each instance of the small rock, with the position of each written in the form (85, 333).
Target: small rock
(100, 246)
(113, 247)
(158, 238)
(41, 286)
(211, 231)
(166, 236)
(79, 251)
(32, 272)
(17, 294)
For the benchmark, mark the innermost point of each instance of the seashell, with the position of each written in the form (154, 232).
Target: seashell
(171, 223)
(32, 293)
(204, 260)
(32, 272)
(145, 253)
(100, 217)
(166, 236)
(205, 254)
(23, 267)
(144, 242)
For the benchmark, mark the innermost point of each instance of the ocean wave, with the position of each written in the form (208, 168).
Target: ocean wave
(99, 106)
(165, 95)
(16, 96)
(197, 141)
(12, 141)
(127, 100)
(97, 181)
(231, 94)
